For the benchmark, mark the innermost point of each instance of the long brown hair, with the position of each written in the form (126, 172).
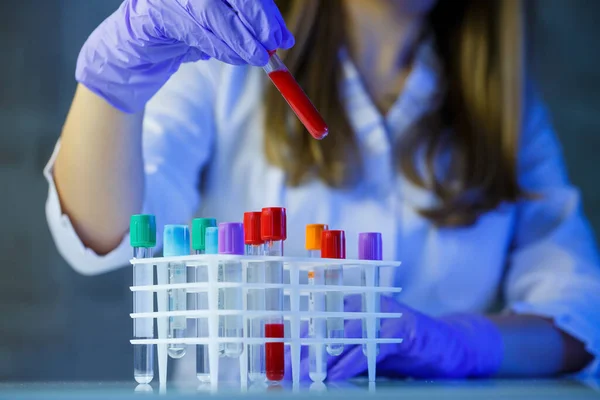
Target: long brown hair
(480, 46)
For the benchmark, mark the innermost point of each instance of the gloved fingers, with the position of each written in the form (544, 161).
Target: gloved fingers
(261, 19)
(223, 22)
(216, 48)
(194, 54)
(350, 363)
(288, 39)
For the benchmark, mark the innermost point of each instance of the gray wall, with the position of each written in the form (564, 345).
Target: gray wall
(59, 325)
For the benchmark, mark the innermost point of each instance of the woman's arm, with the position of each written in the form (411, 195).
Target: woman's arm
(99, 170)
(553, 268)
(534, 346)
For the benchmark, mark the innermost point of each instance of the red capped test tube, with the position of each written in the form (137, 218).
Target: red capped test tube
(256, 297)
(274, 232)
(295, 97)
(333, 245)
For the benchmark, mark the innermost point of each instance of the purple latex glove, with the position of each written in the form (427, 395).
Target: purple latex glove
(131, 55)
(455, 346)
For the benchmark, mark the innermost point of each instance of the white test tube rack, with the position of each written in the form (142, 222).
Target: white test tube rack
(294, 289)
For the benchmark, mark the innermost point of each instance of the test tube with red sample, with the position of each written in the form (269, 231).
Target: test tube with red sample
(274, 232)
(295, 97)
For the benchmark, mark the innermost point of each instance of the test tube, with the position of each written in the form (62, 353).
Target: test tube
(317, 357)
(295, 97)
(256, 297)
(231, 241)
(274, 232)
(199, 226)
(142, 230)
(369, 248)
(177, 243)
(333, 245)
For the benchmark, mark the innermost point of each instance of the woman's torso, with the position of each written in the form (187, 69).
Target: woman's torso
(443, 270)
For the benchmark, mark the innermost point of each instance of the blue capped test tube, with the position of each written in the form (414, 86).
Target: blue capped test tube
(142, 235)
(177, 243)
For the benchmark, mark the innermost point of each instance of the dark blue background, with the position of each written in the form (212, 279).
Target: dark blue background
(57, 325)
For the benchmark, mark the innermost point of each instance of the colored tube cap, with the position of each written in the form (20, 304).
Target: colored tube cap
(252, 228)
(273, 224)
(142, 230)
(369, 246)
(231, 238)
(199, 226)
(176, 240)
(212, 240)
(313, 236)
(333, 244)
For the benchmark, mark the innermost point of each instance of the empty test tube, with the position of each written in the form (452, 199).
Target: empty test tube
(274, 232)
(177, 243)
(142, 230)
(317, 356)
(199, 227)
(231, 241)
(333, 245)
(369, 248)
(256, 297)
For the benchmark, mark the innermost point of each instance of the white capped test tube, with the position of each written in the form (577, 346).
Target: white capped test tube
(142, 230)
(200, 246)
(370, 248)
(317, 356)
(231, 241)
(177, 243)
(274, 232)
(333, 245)
(256, 297)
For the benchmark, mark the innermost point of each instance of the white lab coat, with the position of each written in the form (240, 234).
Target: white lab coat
(538, 255)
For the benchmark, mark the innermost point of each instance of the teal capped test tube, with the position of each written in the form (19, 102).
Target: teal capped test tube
(142, 236)
(199, 227)
(177, 243)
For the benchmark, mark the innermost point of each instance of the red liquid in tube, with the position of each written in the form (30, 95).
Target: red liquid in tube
(274, 353)
(299, 103)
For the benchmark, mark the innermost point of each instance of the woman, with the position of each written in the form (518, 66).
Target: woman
(435, 140)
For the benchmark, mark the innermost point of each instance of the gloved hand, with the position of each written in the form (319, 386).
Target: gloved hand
(128, 58)
(455, 346)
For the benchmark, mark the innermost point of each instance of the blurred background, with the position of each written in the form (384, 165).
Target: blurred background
(58, 325)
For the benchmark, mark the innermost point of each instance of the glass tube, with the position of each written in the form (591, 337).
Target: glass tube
(335, 303)
(143, 328)
(177, 302)
(230, 298)
(256, 302)
(274, 327)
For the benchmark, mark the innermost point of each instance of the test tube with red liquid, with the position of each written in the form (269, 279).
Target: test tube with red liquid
(295, 97)
(274, 232)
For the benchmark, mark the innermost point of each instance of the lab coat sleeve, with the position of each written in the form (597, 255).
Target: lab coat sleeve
(553, 266)
(178, 131)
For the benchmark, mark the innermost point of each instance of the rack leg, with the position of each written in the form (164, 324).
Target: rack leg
(370, 322)
(244, 355)
(162, 323)
(295, 322)
(213, 324)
